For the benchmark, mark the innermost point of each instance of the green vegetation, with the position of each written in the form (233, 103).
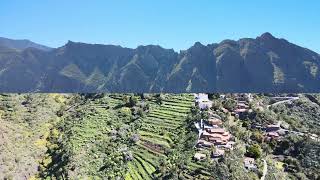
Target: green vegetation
(254, 151)
(159, 132)
(152, 136)
(25, 121)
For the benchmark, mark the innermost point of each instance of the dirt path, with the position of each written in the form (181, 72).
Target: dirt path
(265, 169)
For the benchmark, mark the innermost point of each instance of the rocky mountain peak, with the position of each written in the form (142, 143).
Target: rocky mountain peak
(266, 36)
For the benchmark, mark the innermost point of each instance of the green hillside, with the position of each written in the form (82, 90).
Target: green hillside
(154, 136)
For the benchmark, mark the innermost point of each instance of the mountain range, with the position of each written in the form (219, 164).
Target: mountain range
(21, 44)
(262, 64)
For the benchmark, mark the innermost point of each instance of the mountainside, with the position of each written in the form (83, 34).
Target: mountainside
(21, 44)
(264, 64)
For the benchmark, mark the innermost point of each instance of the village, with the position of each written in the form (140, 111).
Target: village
(214, 140)
(212, 134)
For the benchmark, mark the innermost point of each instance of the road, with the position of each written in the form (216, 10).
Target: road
(265, 169)
(288, 99)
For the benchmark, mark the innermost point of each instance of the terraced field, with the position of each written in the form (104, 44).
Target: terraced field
(156, 133)
(94, 137)
(88, 136)
(138, 137)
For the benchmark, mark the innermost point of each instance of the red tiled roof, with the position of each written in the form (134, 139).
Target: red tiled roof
(274, 134)
(240, 110)
(215, 121)
(217, 130)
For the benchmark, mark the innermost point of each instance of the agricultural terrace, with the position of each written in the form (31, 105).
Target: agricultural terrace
(156, 134)
(92, 137)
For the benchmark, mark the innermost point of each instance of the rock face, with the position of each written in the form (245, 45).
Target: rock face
(194, 72)
(264, 64)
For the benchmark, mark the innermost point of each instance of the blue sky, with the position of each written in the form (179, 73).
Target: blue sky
(174, 24)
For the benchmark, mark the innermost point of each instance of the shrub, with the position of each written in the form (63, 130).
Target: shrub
(257, 136)
(229, 104)
(254, 151)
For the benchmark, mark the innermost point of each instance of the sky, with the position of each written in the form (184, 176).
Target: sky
(176, 24)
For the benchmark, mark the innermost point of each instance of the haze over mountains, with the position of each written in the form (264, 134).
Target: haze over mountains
(263, 64)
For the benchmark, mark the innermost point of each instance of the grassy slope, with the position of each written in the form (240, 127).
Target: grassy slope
(23, 131)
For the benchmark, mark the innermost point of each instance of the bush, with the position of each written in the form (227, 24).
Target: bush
(216, 104)
(257, 136)
(254, 151)
(229, 104)
(133, 101)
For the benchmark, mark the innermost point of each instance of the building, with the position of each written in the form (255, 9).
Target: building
(242, 105)
(239, 111)
(249, 163)
(202, 101)
(273, 127)
(207, 128)
(214, 121)
(257, 126)
(224, 110)
(272, 135)
(200, 156)
(228, 146)
(217, 153)
(213, 115)
(217, 136)
(204, 143)
(204, 105)
(201, 97)
(248, 96)
(245, 97)
(216, 130)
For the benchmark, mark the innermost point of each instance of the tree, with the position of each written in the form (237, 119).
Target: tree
(133, 101)
(195, 110)
(28, 100)
(126, 99)
(245, 124)
(216, 104)
(257, 136)
(159, 99)
(140, 112)
(205, 114)
(229, 104)
(254, 151)
(93, 95)
(172, 167)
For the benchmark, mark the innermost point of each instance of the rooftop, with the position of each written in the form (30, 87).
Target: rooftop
(217, 130)
(200, 156)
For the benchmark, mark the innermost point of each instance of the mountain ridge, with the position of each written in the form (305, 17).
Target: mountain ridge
(22, 44)
(261, 64)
